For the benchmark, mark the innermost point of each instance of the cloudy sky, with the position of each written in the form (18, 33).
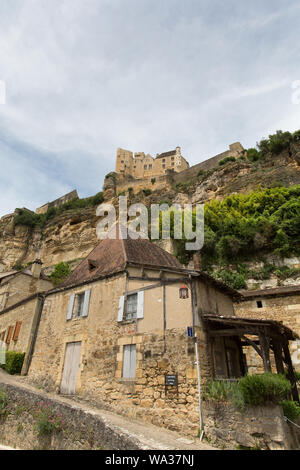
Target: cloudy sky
(84, 77)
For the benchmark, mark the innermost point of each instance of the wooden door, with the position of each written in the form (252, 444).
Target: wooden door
(70, 371)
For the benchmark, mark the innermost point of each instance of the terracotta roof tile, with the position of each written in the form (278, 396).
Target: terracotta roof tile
(111, 256)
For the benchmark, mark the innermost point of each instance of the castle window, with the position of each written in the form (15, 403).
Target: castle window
(145, 167)
(172, 158)
(259, 304)
(164, 166)
(150, 167)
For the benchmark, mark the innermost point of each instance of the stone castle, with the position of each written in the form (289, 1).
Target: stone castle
(141, 166)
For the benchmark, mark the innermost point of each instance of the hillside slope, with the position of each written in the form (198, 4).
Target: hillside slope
(72, 235)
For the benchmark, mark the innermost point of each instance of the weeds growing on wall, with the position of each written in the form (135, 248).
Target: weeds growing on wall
(47, 420)
(291, 409)
(3, 402)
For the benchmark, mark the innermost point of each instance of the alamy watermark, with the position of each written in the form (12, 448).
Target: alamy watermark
(2, 92)
(158, 222)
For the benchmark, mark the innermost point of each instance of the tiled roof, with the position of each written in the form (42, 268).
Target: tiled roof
(111, 256)
(166, 154)
(276, 291)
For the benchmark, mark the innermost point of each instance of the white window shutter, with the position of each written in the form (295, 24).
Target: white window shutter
(132, 360)
(140, 305)
(121, 308)
(86, 303)
(126, 361)
(70, 308)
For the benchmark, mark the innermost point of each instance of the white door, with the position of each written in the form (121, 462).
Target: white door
(71, 366)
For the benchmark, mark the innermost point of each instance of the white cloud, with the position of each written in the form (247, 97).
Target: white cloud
(84, 77)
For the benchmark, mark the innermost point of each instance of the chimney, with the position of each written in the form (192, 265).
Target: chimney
(36, 268)
(197, 261)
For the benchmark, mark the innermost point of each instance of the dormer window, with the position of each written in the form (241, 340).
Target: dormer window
(92, 265)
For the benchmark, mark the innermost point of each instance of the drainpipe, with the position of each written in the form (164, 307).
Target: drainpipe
(33, 334)
(199, 390)
(194, 310)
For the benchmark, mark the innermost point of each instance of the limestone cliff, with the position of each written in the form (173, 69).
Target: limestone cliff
(72, 235)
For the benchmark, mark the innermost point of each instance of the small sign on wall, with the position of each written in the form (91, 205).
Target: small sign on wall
(171, 380)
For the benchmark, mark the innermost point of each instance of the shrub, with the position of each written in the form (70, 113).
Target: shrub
(47, 421)
(226, 160)
(61, 272)
(232, 279)
(291, 409)
(253, 154)
(222, 390)
(111, 175)
(262, 388)
(153, 180)
(147, 192)
(13, 362)
(3, 402)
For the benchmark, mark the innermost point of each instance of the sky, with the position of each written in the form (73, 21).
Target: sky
(83, 77)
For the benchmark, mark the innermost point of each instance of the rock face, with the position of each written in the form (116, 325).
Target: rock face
(72, 235)
(68, 237)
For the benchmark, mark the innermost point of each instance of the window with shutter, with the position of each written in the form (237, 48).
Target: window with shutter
(129, 361)
(9, 334)
(121, 308)
(131, 307)
(70, 307)
(80, 303)
(17, 330)
(86, 303)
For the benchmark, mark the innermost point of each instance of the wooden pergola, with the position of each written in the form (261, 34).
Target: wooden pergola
(265, 336)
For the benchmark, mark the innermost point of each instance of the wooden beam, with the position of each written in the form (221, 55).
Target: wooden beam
(290, 369)
(277, 349)
(253, 344)
(228, 332)
(265, 349)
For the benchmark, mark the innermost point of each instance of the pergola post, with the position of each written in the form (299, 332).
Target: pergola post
(265, 350)
(290, 370)
(277, 349)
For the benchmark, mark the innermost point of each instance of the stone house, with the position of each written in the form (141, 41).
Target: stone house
(17, 285)
(281, 304)
(21, 300)
(115, 332)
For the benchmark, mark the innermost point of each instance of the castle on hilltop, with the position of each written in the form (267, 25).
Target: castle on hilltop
(140, 165)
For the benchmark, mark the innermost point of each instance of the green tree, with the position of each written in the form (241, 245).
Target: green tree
(61, 272)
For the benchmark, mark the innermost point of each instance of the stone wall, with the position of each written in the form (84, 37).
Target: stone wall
(22, 313)
(260, 428)
(81, 430)
(58, 202)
